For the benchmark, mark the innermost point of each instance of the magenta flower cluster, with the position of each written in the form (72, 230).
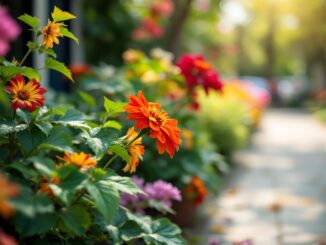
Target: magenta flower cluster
(159, 190)
(9, 30)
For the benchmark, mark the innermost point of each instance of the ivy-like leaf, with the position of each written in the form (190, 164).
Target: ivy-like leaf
(30, 139)
(59, 140)
(30, 20)
(58, 66)
(45, 127)
(123, 184)
(64, 31)
(59, 15)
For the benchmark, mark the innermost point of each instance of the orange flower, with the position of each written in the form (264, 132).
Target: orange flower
(27, 95)
(202, 65)
(196, 190)
(45, 188)
(51, 32)
(78, 70)
(7, 190)
(150, 115)
(135, 149)
(80, 160)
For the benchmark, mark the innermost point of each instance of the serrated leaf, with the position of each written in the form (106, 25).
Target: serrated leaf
(71, 181)
(48, 51)
(30, 20)
(32, 45)
(72, 118)
(58, 140)
(59, 15)
(58, 66)
(7, 72)
(112, 124)
(106, 198)
(45, 127)
(76, 219)
(24, 115)
(120, 151)
(10, 127)
(30, 139)
(123, 184)
(164, 232)
(45, 166)
(112, 107)
(64, 31)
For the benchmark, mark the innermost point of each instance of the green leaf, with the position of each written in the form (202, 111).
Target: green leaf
(59, 140)
(105, 196)
(112, 124)
(76, 219)
(123, 184)
(120, 150)
(48, 51)
(100, 141)
(45, 127)
(30, 139)
(72, 118)
(64, 31)
(71, 181)
(7, 72)
(59, 15)
(32, 45)
(112, 107)
(164, 232)
(24, 115)
(24, 169)
(58, 66)
(10, 127)
(89, 100)
(33, 226)
(45, 166)
(30, 20)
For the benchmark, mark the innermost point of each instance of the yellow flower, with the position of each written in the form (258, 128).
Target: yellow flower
(80, 160)
(135, 149)
(187, 138)
(51, 32)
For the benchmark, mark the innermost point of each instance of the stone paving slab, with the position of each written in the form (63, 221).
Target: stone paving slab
(277, 194)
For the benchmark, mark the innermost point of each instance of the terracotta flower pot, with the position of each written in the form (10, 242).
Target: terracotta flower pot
(185, 213)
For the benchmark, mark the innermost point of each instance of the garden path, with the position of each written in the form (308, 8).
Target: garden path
(277, 194)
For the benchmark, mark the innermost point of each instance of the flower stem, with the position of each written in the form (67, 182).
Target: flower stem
(25, 57)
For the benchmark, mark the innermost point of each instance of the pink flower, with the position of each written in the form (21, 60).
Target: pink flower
(162, 8)
(152, 28)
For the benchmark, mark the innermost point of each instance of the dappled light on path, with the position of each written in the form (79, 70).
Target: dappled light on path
(277, 194)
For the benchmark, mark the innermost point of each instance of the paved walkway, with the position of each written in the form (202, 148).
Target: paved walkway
(277, 195)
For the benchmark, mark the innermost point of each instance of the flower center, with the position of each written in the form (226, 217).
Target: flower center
(23, 95)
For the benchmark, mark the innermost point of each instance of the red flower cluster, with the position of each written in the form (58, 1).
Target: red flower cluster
(198, 72)
(150, 26)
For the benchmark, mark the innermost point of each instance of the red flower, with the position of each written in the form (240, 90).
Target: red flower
(197, 71)
(162, 8)
(78, 70)
(150, 115)
(27, 95)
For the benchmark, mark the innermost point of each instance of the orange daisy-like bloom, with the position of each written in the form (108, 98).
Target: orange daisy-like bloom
(7, 190)
(27, 95)
(196, 190)
(135, 149)
(51, 32)
(150, 115)
(45, 188)
(80, 160)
